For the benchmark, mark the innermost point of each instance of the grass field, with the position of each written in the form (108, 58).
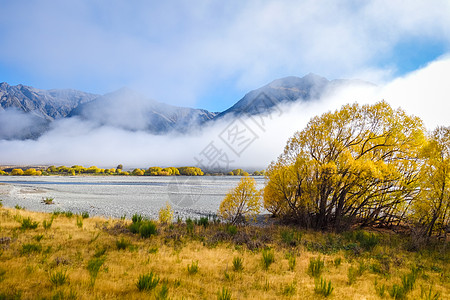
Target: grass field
(67, 256)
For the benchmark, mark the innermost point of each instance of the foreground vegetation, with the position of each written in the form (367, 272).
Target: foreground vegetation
(66, 256)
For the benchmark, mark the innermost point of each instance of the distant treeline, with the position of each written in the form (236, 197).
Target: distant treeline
(152, 171)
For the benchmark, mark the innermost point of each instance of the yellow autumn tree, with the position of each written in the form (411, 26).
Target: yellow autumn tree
(241, 203)
(433, 208)
(166, 214)
(358, 164)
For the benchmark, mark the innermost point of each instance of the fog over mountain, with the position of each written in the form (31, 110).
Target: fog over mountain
(115, 128)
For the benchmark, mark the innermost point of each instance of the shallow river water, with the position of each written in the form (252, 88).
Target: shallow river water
(119, 196)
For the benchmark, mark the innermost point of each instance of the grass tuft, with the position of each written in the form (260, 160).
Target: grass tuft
(238, 264)
(268, 258)
(322, 287)
(193, 268)
(147, 282)
(58, 278)
(316, 266)
(27, 223)
(224, 294)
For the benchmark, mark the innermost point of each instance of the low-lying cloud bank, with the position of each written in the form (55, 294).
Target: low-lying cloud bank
(249, 143)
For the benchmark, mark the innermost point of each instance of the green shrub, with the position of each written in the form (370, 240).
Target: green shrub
(289, 290)
(315, 267)
(27, 223)
(68, 214)
(291, 237)
(292, 262)
(232, 229)
(323, 288)
(163, 293)
(38, 237)
(337, 261)
(366, 240)
(30, 248)
(193, 268)
(189, 226)
(79, 222)
(136, 218)
(58, 278)
(203, 222)
(147, 282)
(47, 224)
(48, 200)
(238, 264)
(224, 294)
(397, 292)
(147, 229)
(93, 266)
(267, 258)
(85, 215)
(17, 206)
(122, 244)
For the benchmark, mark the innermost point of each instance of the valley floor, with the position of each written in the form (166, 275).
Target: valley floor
(65, 256)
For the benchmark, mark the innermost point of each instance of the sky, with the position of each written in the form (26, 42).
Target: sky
(209, 54)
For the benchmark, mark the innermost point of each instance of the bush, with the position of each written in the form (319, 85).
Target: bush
(147, 282)
(58, 278)
(224, 294)
(93, 266)
(193, 268)
(27, 223)
(30, 248)
(147, 229)
(267, 258)
(122, 244)
(366, 240)
(323, 288)
(238, 264)
(189, 226)
(166, 214)
(136, 218)
(85, 215)
(48, 200)
(315, 267)
(232, 229)
(291, 238)
(203, 221)
(47, 224)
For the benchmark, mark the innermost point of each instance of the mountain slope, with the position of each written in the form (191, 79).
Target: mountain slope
(287, 89)
(46, 104)
(131, 111)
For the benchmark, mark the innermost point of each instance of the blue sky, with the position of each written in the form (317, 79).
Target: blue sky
(208, 54)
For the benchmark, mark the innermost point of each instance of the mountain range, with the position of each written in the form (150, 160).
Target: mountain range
(35, 109)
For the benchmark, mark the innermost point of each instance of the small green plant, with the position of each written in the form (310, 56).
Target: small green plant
(189, 226)
(427, 294)
(147, 282)
(291, 237)
(47, 224)
(193, 268)
(27, 223)
(30, 248)
(224, 294)
(366, 240)
(147, 229)
(85, 215)
(122, 244)
(379, 289)
(38, 237)
(397, 292)
(203, 222)
(238, 264)
(68, 214)
(79, 222)
(292, 262)
(163, 292)
(352, 275)
(315, 267)
(58, 278)
(232, 229)
(1, 202)
(322, 287)
(48, 200)
(93, 266)
(136, 218)
(166, 214)
(267, 258)
(153, 250)
(337, 261)
(17, 206)
(289, 289)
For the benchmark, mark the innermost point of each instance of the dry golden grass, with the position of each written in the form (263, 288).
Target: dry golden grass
(68, 248)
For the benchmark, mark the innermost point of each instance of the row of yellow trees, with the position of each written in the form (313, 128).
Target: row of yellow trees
(365, 165)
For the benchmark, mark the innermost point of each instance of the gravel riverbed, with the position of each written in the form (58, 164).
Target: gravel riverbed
(112, 196)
